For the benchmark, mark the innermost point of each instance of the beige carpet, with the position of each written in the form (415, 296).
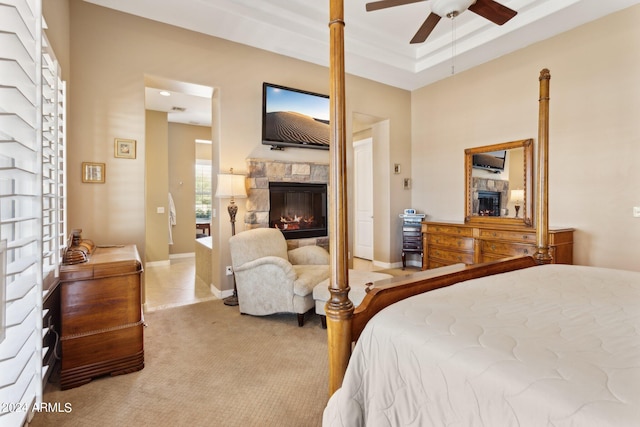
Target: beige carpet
(207, 365)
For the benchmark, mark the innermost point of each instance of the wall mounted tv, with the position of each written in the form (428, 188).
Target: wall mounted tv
(492, 161)
(294, 118)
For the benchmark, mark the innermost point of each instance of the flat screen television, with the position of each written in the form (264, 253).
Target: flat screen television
(492, 161)
(294, 118)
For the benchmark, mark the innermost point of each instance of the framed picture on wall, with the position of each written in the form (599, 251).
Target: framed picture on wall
(125, 148)
(93, 173)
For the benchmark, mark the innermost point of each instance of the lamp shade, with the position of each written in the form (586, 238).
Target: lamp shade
(230, 186)
(517, 195)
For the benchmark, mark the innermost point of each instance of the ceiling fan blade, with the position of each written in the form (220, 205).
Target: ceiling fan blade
(425, 29)
(383, 4)
(494, 12)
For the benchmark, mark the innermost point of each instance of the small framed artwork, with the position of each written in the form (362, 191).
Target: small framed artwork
(396, 168)
(125, 148)
(93, 172)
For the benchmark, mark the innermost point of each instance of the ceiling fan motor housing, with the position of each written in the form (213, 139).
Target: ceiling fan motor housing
(450, 8)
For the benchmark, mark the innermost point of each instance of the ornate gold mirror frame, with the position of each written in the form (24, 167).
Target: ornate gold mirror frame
(502, 194)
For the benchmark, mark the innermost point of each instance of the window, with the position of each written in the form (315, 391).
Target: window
(203, 189)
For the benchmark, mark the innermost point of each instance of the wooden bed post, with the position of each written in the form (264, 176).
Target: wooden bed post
(339, 309)
(542, 189)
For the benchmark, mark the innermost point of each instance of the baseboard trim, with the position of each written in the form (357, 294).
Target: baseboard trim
(183, 255)
(220, 294)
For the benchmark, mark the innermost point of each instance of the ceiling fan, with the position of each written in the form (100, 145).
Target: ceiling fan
(489, 9)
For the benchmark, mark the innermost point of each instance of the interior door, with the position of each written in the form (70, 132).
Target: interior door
(363, 185)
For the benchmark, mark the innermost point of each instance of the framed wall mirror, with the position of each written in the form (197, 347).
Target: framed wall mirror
(499, 183)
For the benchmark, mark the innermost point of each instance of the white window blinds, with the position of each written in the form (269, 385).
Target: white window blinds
(32, 197)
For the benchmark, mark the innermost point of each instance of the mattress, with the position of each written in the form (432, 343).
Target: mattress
(552, 345)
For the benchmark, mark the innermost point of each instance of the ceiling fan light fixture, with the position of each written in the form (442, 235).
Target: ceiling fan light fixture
(450, 8)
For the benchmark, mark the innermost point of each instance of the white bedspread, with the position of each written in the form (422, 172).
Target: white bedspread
(551, 345)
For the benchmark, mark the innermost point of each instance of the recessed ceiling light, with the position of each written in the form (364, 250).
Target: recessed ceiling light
(164, 93)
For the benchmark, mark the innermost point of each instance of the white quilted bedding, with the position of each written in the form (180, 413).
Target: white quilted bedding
(551, 345)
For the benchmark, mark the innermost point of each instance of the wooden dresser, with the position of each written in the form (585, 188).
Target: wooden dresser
(448, 243)
(101, 316)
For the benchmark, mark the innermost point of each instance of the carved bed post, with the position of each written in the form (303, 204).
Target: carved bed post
(542, 189)
(339, 309)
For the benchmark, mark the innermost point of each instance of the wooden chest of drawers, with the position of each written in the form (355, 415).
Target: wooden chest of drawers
(101, 316)
(449, 243)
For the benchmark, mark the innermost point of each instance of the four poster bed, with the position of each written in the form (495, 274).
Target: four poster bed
(513, 342)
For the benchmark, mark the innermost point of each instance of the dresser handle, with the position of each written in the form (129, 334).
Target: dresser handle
(495, 234)
(493, 247)
(525, 237)
(526, 251)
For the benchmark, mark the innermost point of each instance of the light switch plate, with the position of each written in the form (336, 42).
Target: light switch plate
(160, 209)
(636, 211)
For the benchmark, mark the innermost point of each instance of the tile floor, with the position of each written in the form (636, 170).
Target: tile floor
(176, 284)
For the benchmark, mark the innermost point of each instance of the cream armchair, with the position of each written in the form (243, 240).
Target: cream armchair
(271, 279)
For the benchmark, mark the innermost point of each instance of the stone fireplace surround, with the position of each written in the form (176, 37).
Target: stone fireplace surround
(261, 172)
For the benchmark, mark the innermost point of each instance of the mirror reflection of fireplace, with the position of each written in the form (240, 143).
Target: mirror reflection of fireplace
(489, 203)
(299, 210)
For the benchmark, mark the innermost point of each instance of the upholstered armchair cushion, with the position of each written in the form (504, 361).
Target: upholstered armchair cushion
(309, 255)
(270, 279)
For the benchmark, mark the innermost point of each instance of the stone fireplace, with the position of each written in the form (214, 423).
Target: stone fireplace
(261, 173)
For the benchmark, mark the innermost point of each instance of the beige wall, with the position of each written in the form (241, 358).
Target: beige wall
(594, 132)
(181, 168)
(111, 52)
(157, 186)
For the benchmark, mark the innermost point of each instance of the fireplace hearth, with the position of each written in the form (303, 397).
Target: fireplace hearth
(299, 210)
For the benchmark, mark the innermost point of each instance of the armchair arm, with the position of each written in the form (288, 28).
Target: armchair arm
(309, 255)
(265, 285)
(287, 268)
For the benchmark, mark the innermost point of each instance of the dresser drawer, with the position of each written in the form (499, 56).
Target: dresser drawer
(520, 236)
(507, 249)
(452, 256)
(450, 229)
(455, 242)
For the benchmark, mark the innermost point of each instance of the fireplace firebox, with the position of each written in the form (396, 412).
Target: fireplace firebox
(489, 203)
(299, 210)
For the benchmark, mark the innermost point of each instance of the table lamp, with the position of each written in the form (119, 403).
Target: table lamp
(517, 196)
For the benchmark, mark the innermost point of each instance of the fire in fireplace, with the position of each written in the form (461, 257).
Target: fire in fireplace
(298, 209)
